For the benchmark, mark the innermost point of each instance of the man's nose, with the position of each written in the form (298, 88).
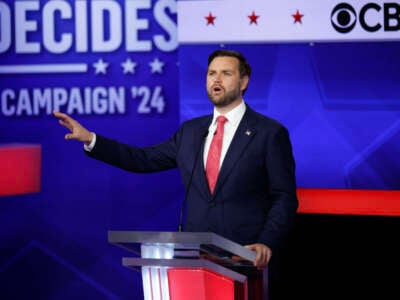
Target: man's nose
(217, 78)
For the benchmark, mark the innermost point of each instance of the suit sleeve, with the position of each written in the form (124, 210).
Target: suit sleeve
(139, 160)
(282, 189)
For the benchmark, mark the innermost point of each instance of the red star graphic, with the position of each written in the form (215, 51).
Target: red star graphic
(253, 18)
(210, 19)
(297, 17)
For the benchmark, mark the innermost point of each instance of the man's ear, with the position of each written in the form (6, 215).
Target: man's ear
(244, 81)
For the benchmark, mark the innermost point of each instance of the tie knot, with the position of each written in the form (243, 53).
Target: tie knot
(221, 119)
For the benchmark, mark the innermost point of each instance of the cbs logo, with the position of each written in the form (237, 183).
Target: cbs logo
(344, 17)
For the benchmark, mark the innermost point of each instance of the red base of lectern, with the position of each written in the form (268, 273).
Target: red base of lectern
(192, 265)
(199, 284)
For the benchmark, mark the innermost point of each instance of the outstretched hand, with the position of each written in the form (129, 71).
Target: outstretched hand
(78, 132)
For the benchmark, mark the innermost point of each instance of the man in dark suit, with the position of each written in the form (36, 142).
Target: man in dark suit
(253, 201)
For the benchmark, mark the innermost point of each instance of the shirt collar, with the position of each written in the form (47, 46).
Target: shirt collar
(234, 116)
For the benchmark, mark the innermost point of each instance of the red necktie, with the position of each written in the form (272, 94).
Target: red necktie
(214, 154)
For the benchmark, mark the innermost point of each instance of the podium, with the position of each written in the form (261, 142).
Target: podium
(191, 265)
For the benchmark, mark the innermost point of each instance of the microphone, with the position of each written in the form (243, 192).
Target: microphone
(190, 183)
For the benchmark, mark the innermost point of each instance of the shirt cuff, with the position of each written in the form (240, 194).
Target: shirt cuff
(90, 147)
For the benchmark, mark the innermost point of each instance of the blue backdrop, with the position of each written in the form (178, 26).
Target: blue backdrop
(54, 243)
(340, 103)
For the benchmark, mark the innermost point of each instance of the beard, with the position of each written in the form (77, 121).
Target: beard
(225, 99)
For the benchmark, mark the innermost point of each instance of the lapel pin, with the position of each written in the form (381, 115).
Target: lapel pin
(248, 132)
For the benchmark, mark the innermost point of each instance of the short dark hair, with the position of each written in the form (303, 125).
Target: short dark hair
(244, 66)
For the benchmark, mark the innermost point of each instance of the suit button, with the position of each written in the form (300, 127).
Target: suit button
(212, 203)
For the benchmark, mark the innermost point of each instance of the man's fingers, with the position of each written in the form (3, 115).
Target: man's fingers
(263, 254)
(251, 247)
(261, 262)
(63, 117)
(66, 120)
(60, 115)
(237, 258)
(65, 124)
(78, 132)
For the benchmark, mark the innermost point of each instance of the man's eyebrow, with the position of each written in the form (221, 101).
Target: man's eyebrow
(223, 70)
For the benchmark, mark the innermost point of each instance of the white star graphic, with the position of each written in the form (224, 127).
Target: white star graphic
(156, 66)
(100, 66)
(129, 66)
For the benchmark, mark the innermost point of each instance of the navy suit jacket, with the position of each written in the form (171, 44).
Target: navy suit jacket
(255, 195)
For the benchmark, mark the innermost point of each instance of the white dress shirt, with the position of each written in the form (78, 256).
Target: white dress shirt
(91, 145)
(234, 117)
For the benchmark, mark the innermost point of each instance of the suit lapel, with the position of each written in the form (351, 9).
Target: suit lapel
(200, 174)
(244, 134)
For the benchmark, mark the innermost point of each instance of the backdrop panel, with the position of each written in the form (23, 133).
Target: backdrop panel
(112, 65)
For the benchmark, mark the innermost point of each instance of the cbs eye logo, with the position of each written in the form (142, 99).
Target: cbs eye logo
(343, 18)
